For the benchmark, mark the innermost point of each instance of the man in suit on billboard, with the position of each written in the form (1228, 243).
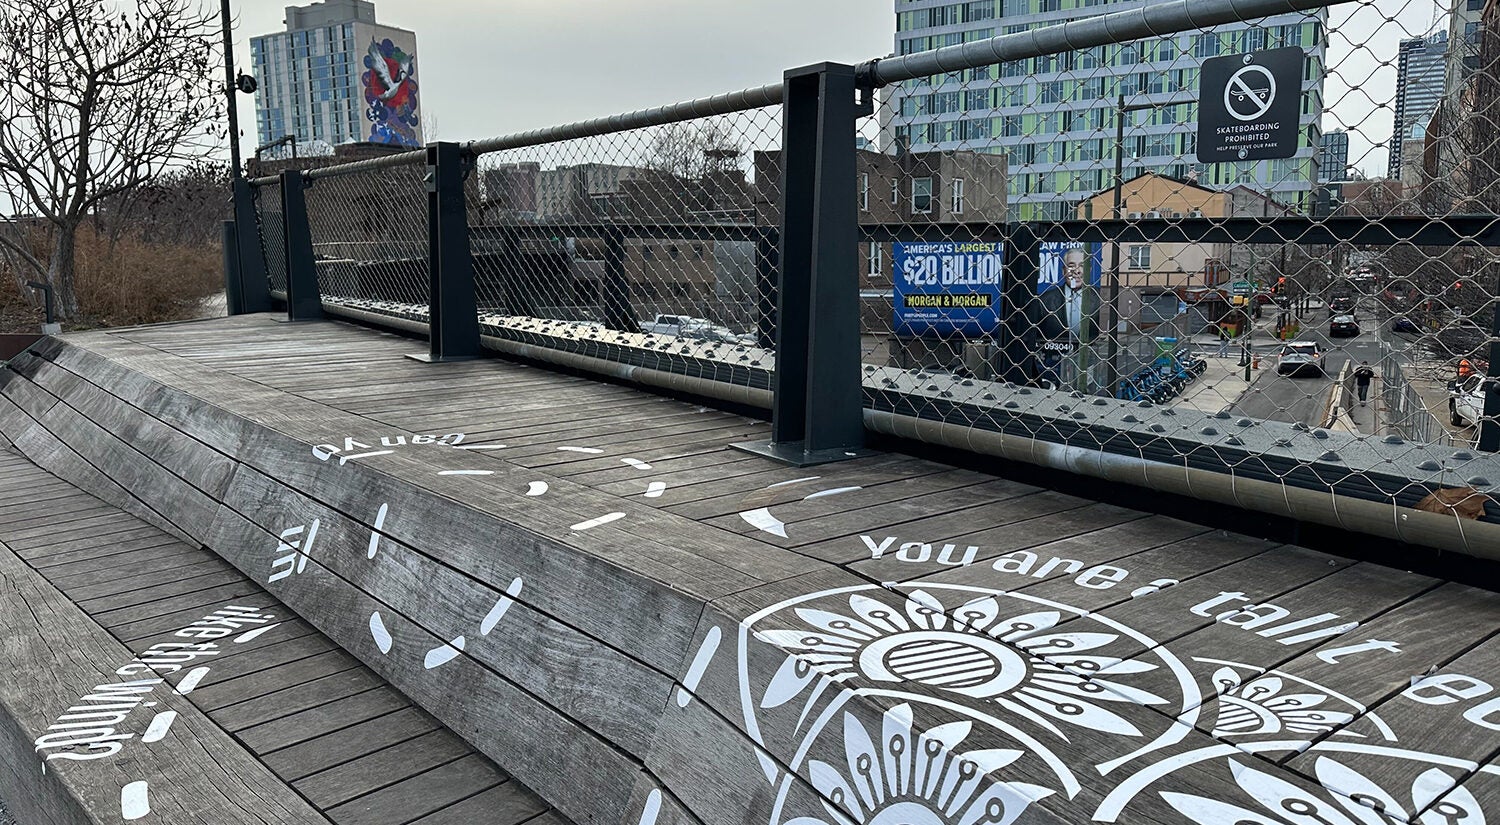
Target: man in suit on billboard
(1066, 308)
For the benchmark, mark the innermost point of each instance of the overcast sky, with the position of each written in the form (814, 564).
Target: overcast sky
(492, 67)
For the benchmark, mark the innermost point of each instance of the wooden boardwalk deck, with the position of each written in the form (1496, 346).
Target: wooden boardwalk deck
(670, 631)
(349, 748)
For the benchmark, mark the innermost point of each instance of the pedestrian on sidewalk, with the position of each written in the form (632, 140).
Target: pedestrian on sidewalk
(1362, 378)
(1223, 342)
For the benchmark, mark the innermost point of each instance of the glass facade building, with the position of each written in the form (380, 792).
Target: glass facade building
(1055, 116)
(315, 76)
(1421, 76)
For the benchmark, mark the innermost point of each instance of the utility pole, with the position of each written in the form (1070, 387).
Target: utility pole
(231, 89)
(1121, 109)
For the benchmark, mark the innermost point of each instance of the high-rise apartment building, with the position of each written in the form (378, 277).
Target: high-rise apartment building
(1421, 75)
(338, 76)
(1333, 157)
(1464, 19)
(1054, 116)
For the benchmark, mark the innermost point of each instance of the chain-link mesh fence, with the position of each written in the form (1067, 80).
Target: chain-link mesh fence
(1265, 249)
(370, 238)
(651, 247)
(270, 230)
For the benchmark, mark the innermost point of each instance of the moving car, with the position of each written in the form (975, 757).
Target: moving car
(1340, 305)
(1343, 326)
(1298, 357)
(1466, 401)
(1404, 324)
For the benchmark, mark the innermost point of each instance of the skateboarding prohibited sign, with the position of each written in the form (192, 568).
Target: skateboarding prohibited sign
(1250, 105)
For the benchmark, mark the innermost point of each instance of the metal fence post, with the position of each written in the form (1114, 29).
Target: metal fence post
(303, 301)
(250, 290)
(1489, 424)
(767, 268)
(452, 311)
(818, 411)
(1022, 260)
(615, 289)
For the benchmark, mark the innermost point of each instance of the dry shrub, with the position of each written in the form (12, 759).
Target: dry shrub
(128, 281)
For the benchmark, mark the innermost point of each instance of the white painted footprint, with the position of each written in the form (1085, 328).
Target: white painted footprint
(379, 633)
(439, 656)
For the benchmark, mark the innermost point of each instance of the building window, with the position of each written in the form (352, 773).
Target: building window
(921, 195)
(875, 259)
(864, 192)
(957, 188)
(1140, 256)
(895, 192)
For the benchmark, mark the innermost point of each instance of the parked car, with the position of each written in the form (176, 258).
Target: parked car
(1401, 323)
(716, 333)
(1298, 357)
(1340, 305)
(674, 324)
(1343, 326)
(1466, 400)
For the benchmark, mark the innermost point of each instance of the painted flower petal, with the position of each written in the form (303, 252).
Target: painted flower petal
(1025, 624)
(1293, 701)
(925, 611)
(1199, 809)
(1066, 642)
(1227, 679)
(791, 678)
(864, 764)
(1429, 786)
(936, 745)
(896, 748)
(805, 640)
(977, 615)
(1076, 711)
(1357, 793)
(992, 759)
(834, 623)
(879, 614)
(1002, 803)
(827, 780)
(1459, 807)
(1261, 689)
(1294, 804)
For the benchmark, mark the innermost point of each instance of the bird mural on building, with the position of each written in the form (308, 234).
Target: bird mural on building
(390, 82)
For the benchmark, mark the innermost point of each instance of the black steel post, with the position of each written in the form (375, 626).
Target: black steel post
(1489, 423)
(303, 301)
(234, 299)
(452, 311)
(253, 285)
(615, 290)
(767, 276)
(1023, 250)
(818, 411)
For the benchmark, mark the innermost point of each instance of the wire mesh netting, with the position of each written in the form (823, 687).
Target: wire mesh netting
(1304, 314)
(370, 239)
(1264, 249)
(652, 247)
(272, 241)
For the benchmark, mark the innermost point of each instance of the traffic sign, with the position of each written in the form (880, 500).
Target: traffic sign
(1249, 106)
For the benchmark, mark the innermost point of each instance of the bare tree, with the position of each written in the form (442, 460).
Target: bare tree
(100, 98)
(693, 151)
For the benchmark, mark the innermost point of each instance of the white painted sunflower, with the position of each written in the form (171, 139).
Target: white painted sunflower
(899, 776)
(1350, 798)
(1263, 706)
(1015, 661)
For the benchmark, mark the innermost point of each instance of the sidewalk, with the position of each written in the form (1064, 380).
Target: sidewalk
(1219, 387)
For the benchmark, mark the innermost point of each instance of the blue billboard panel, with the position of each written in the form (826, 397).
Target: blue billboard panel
(948, 287)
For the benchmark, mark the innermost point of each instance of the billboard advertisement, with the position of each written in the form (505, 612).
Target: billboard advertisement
(1065, 314)
(950, 287)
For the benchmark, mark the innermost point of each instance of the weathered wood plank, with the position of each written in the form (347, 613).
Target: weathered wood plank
(504, 804)
(339, 747)
(317, 693)
(226, 690)
(198, 762)
(420, 795)
(382, 768)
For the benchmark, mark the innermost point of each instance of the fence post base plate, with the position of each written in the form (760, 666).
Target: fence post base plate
(429, 358)
(795, 453)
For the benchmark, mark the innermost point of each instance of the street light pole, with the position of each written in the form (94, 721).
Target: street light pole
(230, 90)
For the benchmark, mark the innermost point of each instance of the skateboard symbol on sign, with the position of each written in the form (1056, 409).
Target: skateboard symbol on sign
(1250, 93)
